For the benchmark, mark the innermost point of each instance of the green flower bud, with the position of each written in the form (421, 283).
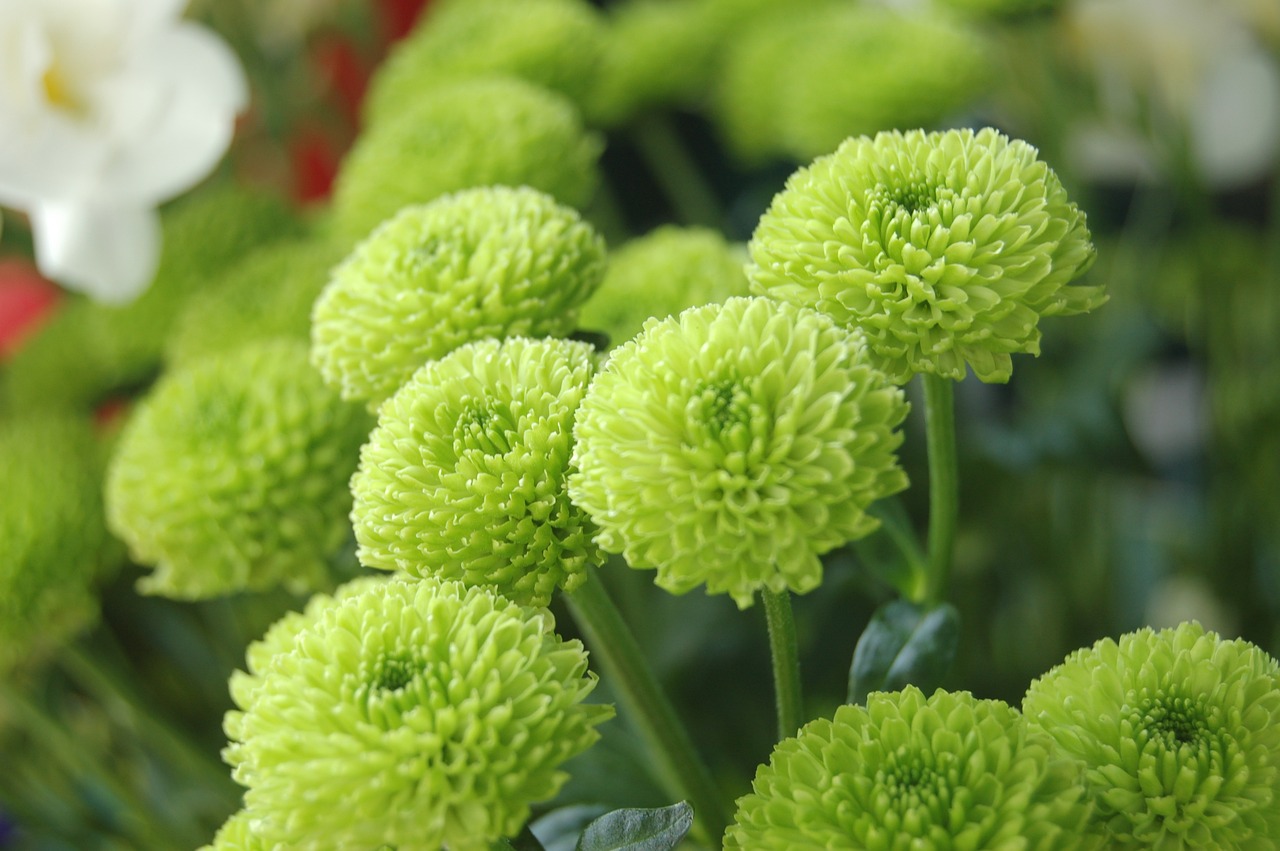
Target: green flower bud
(476, 133)
(54, 546)
(1179, 731)
(945, 249)
(420, 714)
(734, 444)
(268, 294)
(663, 273)
(464, 477)
(488, 262)
(556, 44)
(232, 474)
(909, 773)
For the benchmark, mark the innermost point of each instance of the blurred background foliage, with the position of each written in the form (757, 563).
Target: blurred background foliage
(1126, 477)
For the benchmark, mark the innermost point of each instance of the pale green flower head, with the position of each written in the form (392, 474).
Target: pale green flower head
(268, 294)
(416, 713)
(480, 132)
(488, 262)
(1179, 732)
(556, 44)
(909, 773)
(798, 85)
(54, 546)
(662, 273)
(464, 477)
(232, 474)
(945, 249)
(732, 445)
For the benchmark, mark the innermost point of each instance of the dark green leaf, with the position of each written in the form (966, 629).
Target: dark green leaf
(904, 644)
(559, 829)
(638, 830)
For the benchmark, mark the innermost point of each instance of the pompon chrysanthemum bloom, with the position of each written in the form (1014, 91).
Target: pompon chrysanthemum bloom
(734, 444)
(946, 249)
(54, 546)
(909, 773)
(488, 262)
(232, 474)
(799, 84)
(556, 44)
(464, 477)
(1179, 731)
(268, 294)
(662, 273)
(417, 713)
(481, 132)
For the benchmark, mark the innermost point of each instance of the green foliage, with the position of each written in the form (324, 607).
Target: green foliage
(638, 830)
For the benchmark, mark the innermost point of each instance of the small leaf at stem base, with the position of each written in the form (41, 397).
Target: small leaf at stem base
(638, 830)
(904, 644)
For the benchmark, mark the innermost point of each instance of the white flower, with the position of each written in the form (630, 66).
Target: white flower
(108, 108)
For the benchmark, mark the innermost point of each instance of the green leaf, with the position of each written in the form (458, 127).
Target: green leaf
(904, 644)
(638, 830)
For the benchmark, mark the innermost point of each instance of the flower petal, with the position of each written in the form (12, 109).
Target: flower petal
(107, 252)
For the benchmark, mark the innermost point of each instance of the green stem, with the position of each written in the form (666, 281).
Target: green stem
(681, 179)
(613, 643)
(944, 497)
(786, 661)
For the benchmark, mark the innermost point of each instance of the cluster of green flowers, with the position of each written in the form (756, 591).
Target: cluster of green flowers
(1165, 740)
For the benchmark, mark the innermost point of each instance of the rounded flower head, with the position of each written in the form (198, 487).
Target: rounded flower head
(556, 44)
(480, 132)
(946, 249)
(232, 474)
(489, 262)
(909, 773)
(1179, 731)
(109, 108)
(734, 444)
(464, 477)
(418, 714)
(663, 273)
(54, 546)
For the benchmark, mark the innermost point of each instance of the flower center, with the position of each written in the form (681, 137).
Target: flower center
(910, 197)
(487, 428)
(393, 673)
(1175, 721)
(722, 405)
(57, 92)
(912, 785)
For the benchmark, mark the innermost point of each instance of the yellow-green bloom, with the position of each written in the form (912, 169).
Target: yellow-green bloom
(556, 44)
(734, 444)
(488, 262)
(663, 273)
(909, 773)
(1179, 732)
(232, 474)
(945, 249)
(54, 546)
(416, 713)
(480, 132)
(464, 477)
(799, 84)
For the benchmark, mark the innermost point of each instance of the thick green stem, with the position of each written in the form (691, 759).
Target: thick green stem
(680, 177)
(944, 491)
(612, 642)
(786, 661)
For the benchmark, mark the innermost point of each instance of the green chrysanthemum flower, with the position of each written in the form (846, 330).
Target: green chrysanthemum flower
(475, 133)
(54, 546)
(464, 477)
(556, 44)
(421, 714)
(663, 273)
(488, 262)
(946, 249)
(734, 444)
(233, 474)
(268, 294)
(799, 84)
(1179, 731)
(909, 773)
(89, 352)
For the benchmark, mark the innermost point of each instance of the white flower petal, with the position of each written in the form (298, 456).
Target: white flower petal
(108, 252)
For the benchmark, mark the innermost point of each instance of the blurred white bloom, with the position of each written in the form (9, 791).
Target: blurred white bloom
(107, 108)
(1193, 72)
